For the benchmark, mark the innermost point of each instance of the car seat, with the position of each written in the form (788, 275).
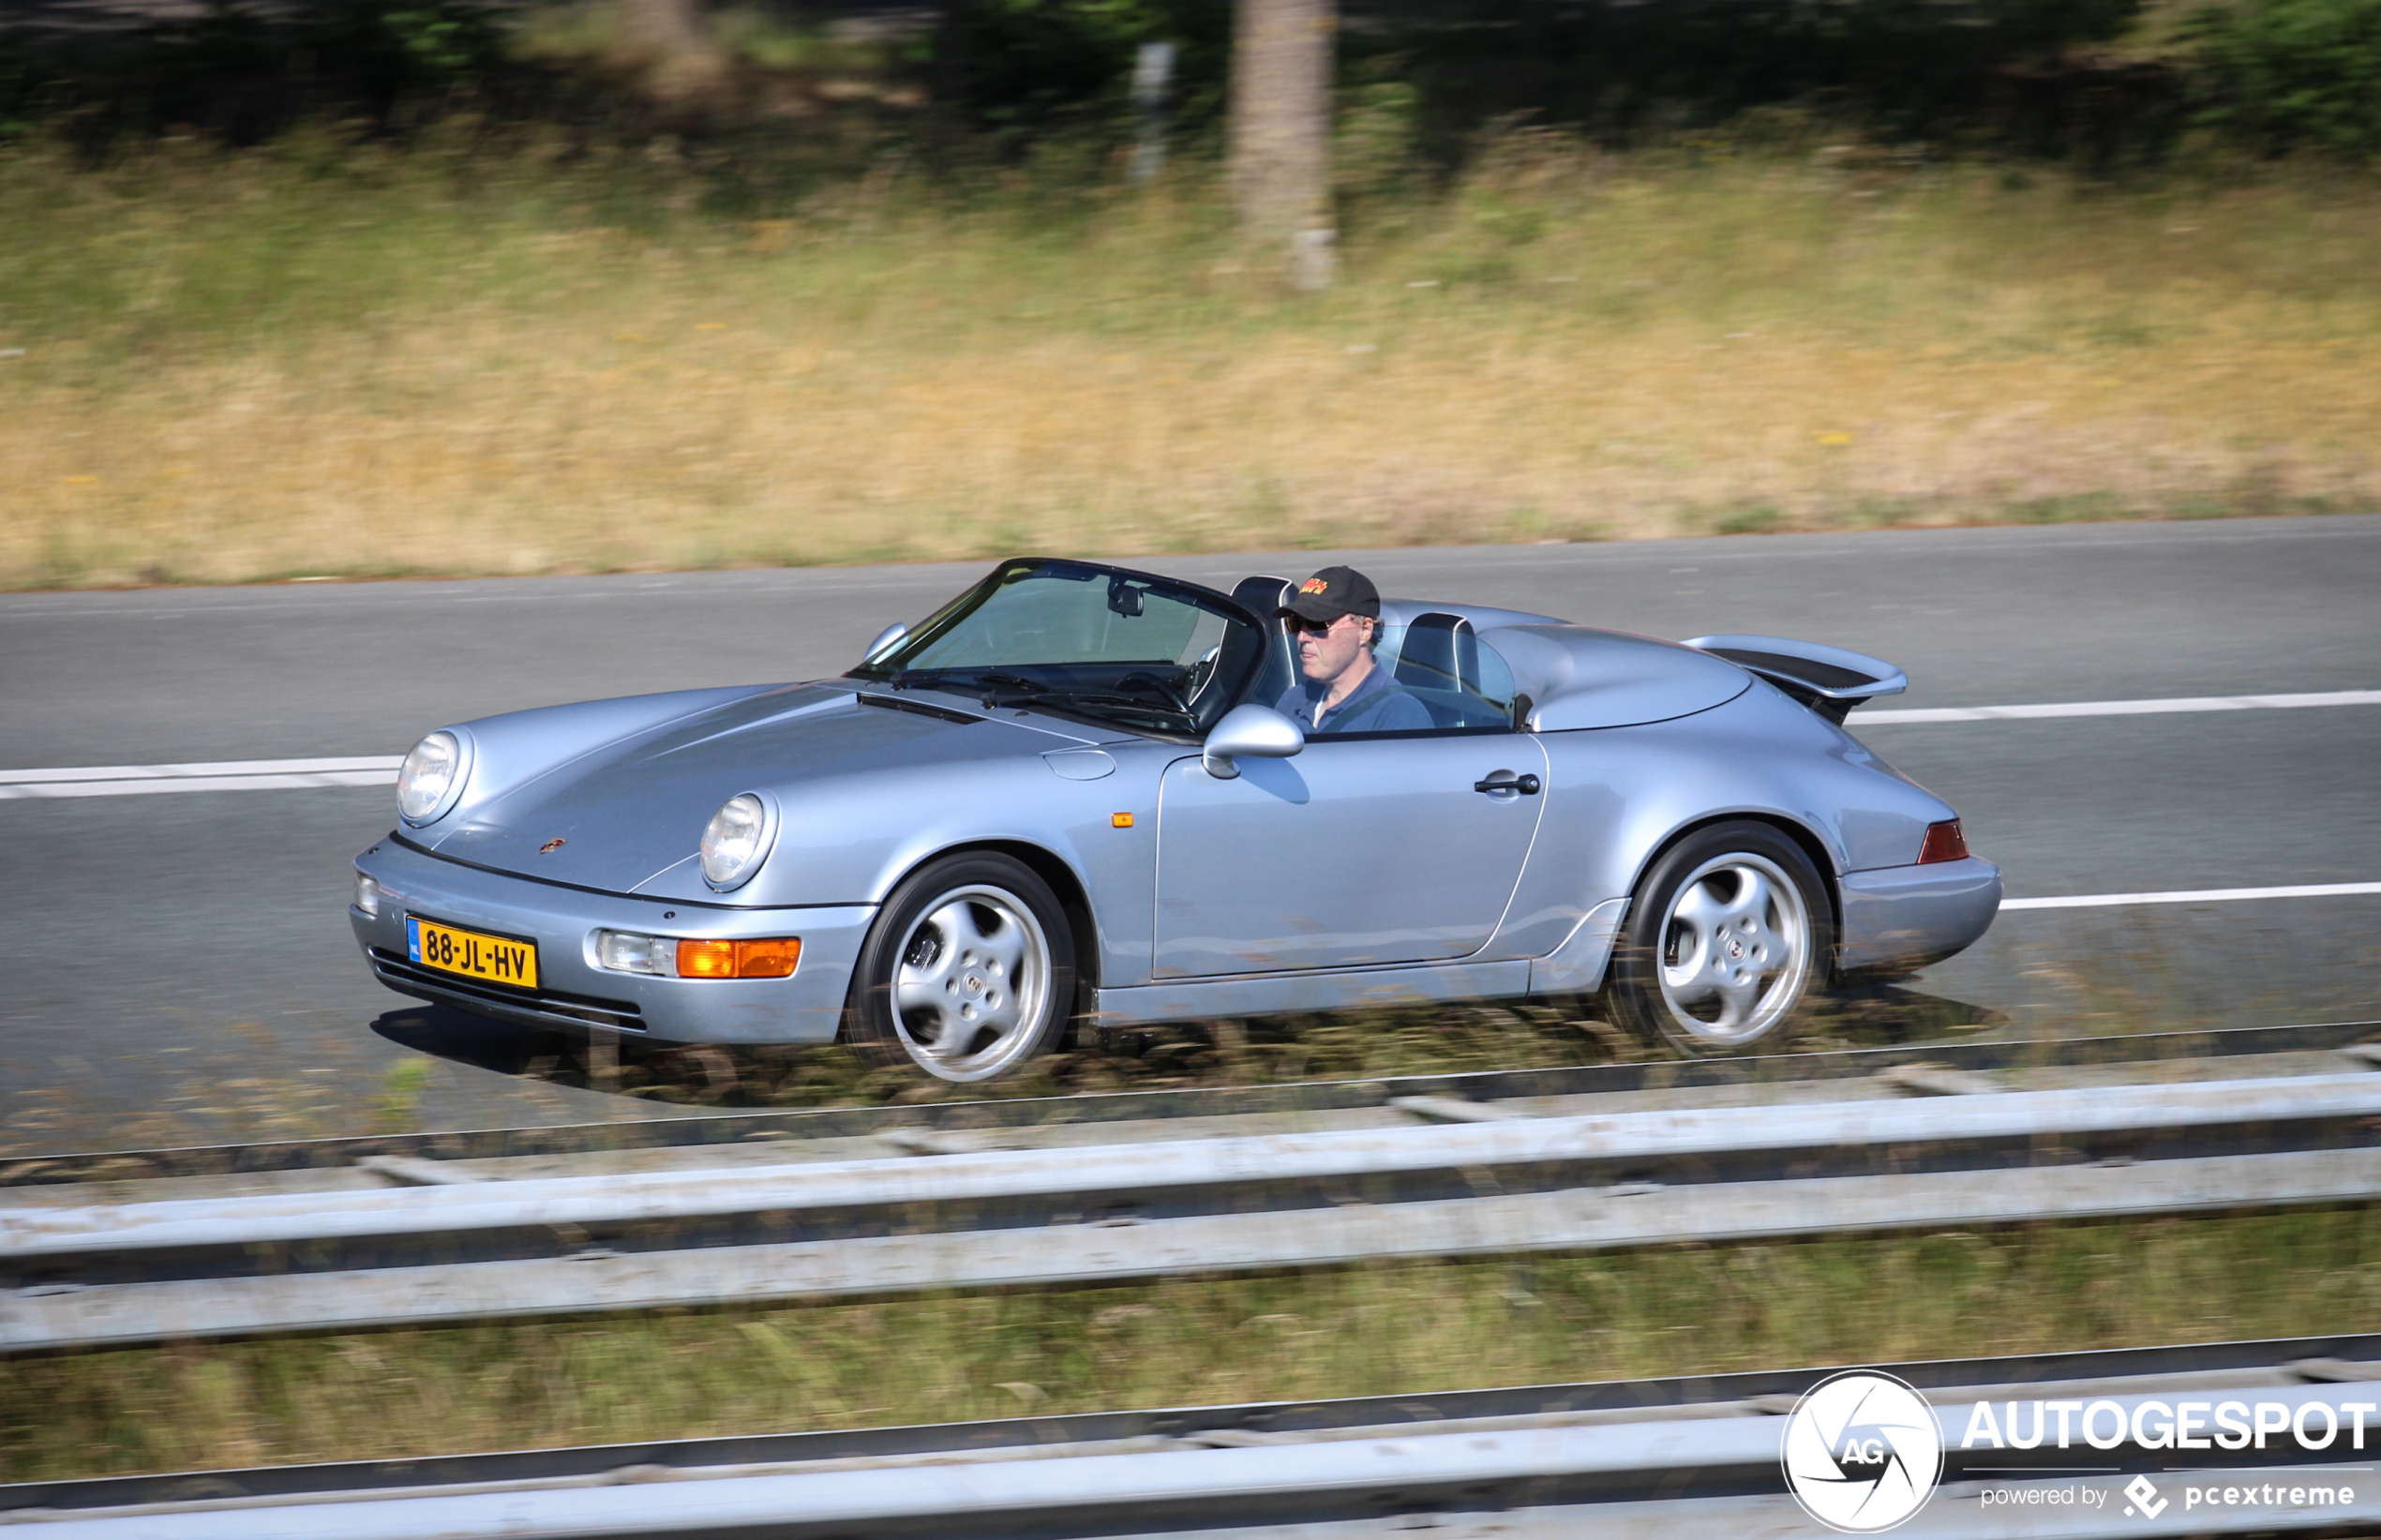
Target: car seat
(1264, 597)
(1439, 664)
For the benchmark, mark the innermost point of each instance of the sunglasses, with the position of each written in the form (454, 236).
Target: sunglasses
(1300, 625)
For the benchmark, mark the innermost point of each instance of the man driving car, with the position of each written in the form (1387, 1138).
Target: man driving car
(1335, 617)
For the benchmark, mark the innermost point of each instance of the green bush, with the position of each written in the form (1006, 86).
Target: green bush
(2285, 75)
(1023, 64)
(243, 75)
(1617, 69)
(1420, 79)
(1995, 69)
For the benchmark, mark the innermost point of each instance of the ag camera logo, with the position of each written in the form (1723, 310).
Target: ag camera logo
(1862, 1452)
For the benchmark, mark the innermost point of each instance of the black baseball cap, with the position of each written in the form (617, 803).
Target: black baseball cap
(1332, 593)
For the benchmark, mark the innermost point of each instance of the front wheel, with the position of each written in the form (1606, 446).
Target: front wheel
(1726, 940)
(968, 973)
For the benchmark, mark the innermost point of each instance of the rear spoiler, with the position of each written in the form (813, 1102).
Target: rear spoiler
(1830, 680)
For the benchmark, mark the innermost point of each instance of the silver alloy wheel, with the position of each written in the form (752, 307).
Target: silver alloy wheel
(1735, 949)
(972, 983)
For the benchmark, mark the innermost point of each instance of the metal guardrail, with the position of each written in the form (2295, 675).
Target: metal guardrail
(1629, 1138)
(717, 1128)
(1639, 1457)
(96, 1274)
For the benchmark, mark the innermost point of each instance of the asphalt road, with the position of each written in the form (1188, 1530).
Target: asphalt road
(179, 966)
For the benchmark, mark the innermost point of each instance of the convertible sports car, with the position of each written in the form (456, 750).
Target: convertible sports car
(1065, 796)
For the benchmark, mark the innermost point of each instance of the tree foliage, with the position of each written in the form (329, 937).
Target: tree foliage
(1025, 65)
(243, 75)
(1615, 68)
(1906, 68)
(2016, 76)
(2290, 74)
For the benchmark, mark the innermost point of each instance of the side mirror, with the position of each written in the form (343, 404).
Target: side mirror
(885, 638)
(1258, 730)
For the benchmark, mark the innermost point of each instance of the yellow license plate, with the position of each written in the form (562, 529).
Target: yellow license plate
(475, 954)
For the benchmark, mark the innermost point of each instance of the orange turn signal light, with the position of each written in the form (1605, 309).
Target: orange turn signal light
(1944, 841)
(772, 957)
(1119, 820)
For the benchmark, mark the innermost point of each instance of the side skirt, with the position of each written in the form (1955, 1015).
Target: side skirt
(1268, 993)
(1574, 967)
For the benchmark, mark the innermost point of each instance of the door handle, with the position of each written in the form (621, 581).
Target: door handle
(1528, 786)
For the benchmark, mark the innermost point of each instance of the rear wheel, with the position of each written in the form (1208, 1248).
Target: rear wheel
(969, 971)
(1725, 942)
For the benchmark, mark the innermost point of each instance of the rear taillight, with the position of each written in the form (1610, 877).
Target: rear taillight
(1944, 841)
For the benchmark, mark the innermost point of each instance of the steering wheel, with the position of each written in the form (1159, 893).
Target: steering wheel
(1201, 672)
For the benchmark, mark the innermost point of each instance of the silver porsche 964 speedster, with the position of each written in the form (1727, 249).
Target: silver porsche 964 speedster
(1071, 796)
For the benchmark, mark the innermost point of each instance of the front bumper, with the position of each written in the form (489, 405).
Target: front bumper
(573, 991)
(1899, 919)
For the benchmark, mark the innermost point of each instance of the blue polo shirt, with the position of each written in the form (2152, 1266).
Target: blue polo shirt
(1376, 706)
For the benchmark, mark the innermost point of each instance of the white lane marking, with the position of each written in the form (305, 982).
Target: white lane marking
(221, 775)
(266, 775)
(2119, 708)
(2197, 895)
(220, 767)
(197, 782)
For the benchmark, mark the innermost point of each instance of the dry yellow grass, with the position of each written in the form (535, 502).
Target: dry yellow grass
(249, 367)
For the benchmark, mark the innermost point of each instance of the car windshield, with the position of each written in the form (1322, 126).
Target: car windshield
(1142, 652)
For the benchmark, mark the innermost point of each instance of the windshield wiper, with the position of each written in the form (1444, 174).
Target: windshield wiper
(1013, 682)
(996, 688)
(985, 686)
(1138, 703)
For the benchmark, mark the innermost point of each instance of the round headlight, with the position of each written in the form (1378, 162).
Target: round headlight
(431, 774)
(736, 841)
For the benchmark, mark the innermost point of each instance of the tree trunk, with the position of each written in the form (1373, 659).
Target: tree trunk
(674, 38)
(668, 28)
(1282, 68)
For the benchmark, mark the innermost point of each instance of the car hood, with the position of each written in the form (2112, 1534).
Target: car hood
(621, 815)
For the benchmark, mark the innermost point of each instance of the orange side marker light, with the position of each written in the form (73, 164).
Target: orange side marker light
(1119, 820)
(774, 957)
(707, 960)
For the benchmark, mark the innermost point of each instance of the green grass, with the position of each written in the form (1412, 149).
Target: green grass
(1350, 1332)
(505, 352)
(265, 1091)
(238, 1098)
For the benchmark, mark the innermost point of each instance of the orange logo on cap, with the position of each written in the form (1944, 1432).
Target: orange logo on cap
(1313, 585)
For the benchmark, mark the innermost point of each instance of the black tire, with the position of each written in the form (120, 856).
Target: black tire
(968, 973)
(1711, 965)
